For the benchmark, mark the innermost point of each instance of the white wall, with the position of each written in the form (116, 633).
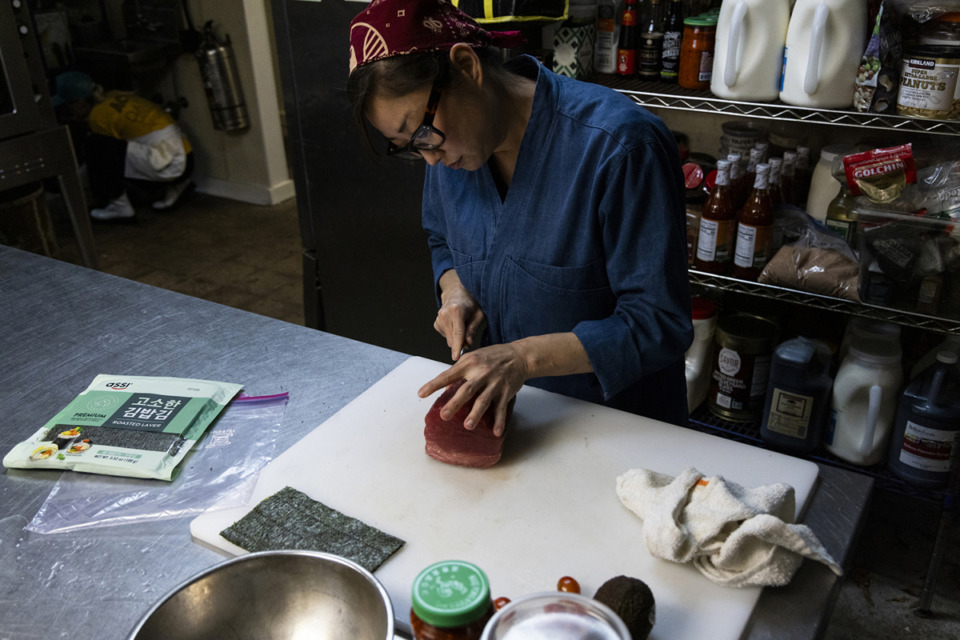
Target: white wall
(248, 165)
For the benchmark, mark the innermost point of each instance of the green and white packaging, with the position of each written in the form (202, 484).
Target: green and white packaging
(132, 426)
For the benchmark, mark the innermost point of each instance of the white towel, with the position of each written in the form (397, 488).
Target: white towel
(735, 536)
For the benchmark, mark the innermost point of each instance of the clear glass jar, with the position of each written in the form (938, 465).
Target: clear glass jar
(944, 30)
(451, 601)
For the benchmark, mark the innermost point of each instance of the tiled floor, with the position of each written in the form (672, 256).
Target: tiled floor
(248, 257)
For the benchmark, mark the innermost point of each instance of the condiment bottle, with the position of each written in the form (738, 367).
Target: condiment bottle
(776, 192)
(926, 434)
(651, 41)
(718, 219)
(842, 214)
(629, 40)
(798, 395)
(754, 229)
(788, 182)
(696, 52)
(737, 187)
(451, 601)
(699, 356)
(672, 37)
(803, 174)
(863, 405)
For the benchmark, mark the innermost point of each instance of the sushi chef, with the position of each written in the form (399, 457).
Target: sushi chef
(554, 210)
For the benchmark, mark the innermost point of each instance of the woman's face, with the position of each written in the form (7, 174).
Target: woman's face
(471, 135)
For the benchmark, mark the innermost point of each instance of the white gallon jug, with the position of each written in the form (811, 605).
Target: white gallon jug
(747, 58)
(863, 406)
(825, 40)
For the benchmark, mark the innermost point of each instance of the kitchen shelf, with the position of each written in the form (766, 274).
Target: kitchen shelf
(817, 301)
(665, 96)
(749, 432)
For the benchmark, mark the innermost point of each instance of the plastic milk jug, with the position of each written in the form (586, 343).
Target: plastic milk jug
(699, 356)
(863, 406)
(798, 395)
(825, 41)
(926, 434)
(748, 55)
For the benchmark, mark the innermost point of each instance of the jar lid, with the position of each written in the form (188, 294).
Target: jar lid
(451, 593)
(704, 20)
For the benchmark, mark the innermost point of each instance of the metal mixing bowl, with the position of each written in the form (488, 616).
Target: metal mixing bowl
(272, 595)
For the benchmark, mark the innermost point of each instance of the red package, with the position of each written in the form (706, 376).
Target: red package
(880, 174)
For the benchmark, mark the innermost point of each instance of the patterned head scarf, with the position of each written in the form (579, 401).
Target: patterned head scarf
(389, 28)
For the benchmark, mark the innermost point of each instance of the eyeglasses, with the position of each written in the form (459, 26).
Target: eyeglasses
(426, 137)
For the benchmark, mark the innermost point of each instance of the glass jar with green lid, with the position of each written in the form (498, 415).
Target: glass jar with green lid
(451, 601)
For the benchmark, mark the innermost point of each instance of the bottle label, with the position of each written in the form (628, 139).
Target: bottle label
(928, 449)
(713, 243)
(626, 62)
(706, 66)
(753, 246)
(843, 227)
(790, 413)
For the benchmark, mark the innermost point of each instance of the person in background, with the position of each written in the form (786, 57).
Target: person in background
(554, 210)
(132, 143)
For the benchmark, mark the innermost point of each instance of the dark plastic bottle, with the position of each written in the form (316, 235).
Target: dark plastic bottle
(926, 434)
(798, 396)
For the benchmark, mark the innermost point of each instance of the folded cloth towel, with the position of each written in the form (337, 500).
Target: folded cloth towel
(735, 536)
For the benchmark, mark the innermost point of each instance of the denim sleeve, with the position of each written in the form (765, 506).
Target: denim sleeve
(645, 247)
(432, 221)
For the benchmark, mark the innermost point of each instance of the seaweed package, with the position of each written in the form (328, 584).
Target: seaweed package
(133, 426)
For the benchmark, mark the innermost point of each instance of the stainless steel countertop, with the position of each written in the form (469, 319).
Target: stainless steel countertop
(61, 324)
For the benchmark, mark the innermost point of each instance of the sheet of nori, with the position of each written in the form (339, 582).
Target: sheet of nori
(127, 438)
(290, 519)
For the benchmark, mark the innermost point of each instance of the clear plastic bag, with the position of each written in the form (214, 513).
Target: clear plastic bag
(222, 469)
(816, 259)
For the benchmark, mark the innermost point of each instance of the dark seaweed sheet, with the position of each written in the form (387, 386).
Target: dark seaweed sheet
(290, 519)
(127, 438)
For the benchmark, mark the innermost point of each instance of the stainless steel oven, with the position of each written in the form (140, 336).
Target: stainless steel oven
(33, 146)
(19, 112)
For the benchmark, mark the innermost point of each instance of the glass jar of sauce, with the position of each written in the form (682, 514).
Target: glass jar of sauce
(696, 52)
(451, 601)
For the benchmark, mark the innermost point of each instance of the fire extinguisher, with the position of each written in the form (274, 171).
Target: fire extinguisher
(218, 70)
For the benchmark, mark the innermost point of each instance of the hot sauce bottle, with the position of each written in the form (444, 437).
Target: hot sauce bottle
(629, 40)
(737, 187)
(754, 229)
(788, 183)
(718, 219)
(451, 601)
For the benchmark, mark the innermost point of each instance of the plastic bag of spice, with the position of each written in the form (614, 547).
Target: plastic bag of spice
(880, 174)
(818, 261)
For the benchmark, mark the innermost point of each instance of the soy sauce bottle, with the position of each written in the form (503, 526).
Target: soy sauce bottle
(672, 37)
(629, 40)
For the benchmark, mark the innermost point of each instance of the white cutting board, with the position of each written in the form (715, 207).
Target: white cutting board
(549, 508)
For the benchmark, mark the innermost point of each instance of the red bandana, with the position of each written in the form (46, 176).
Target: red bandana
(390, 28)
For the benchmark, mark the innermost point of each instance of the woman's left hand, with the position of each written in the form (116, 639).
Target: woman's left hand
(495, 374)
(493, 377)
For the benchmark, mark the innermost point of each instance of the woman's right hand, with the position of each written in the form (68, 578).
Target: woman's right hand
(460, 318)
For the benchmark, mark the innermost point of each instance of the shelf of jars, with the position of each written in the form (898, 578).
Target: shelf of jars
(818, 301)
(701, 419)
(666, 96)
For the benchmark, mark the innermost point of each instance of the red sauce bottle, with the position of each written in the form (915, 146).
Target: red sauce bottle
(629, 40)
(754, 229)
(451, 601)
(718, 219)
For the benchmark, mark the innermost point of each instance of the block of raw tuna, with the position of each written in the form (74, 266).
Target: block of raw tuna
(448, 441)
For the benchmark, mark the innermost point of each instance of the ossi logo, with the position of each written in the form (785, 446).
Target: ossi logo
(117, 386)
